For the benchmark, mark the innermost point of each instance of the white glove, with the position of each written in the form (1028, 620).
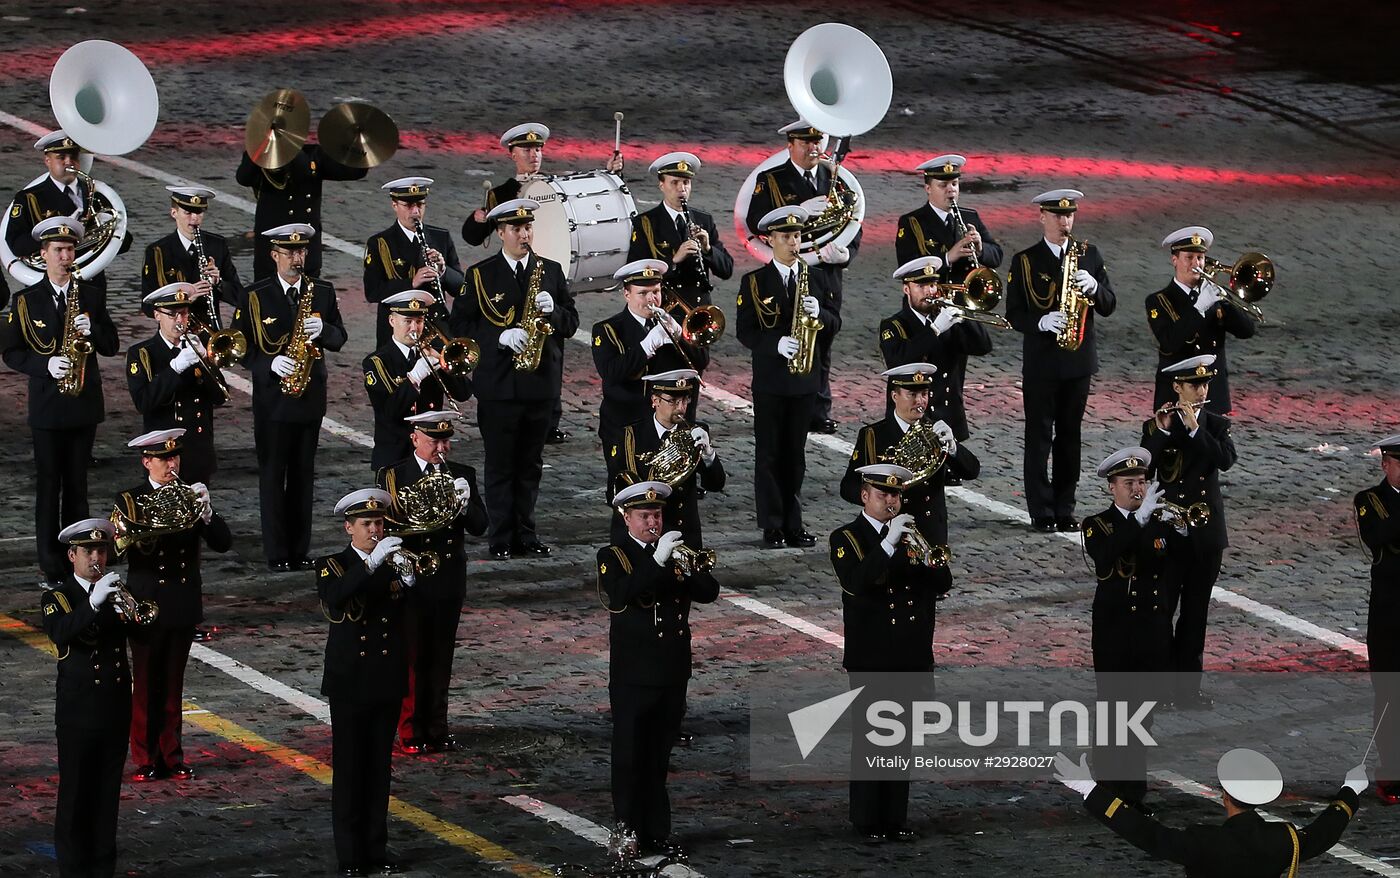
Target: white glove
(1150, 504)
(1076, 776)
(382, 550)
(513, 338)
(206, 503)
(282, 365)
(83, 324)
(787, 346)
(408, 580)
(463, 489)
(103, 589)
(1052, 322)
(59, 366)
(665, 546)
(1087, 283)
(1356, 779)
(833, 253)
(545, 302)
(947, 318)
(945, 436)
(811, 306)
(420, 371)
(1208, 296)
(899, 526)
(702, 441)
(185, 359)
(313, 327)
(655, 339)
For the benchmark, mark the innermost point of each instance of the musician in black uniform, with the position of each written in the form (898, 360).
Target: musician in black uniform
(1191, 447)
(401, 381)
(436, 606)
(174, 257)
(93, 702)
(513, 404)
(888, 601)
(1378, 523)
(364, 597)
(164, 570)
(62, 426)
(1054, 379)
(782, 401)
(1190, 317)
(648, 597)
(287, 428)
(908, 389)
(1137, 555)
(394, 257)
(923, 331)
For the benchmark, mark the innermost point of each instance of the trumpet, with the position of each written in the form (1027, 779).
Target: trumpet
(691, 561)
(1197, 515)
(923, 552)
(128, 607)
(407, 563)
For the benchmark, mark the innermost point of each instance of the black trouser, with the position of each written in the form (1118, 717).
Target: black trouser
(198, 462)
(61, 497)
(556, 410)
(286, 476)
(158, 659)
(1198, 575)
(780, 458)
(362, 741)
(1131, 658)
(512, 439)
(821, 410)
(90, 763)
(645, 722)
(430, 637)
(882, 805)
(1383, 644)
(1054, 408)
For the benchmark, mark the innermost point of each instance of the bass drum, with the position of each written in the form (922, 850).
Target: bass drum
(808, 250)
(101, 240)
(585, 224)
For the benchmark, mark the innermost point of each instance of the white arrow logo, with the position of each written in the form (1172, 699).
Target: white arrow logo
(811, 723)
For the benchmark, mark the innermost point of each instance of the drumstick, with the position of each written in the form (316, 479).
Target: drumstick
(617, 134)
(1377, 729)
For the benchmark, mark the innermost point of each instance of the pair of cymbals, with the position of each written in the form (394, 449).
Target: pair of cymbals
(354, 133)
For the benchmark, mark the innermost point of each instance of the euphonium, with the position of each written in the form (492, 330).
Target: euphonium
(1074, 305)
(127, 606)
(690, 561)
(537, 327)
(300, 347)
(675, 460)
(74, 346)
(804, 327)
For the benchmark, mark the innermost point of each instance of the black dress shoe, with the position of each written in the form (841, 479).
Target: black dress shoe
(773, 539)
(665, 848)
(182, 772)
(303, 564)
(446, 745)
(801, 540)
(684, 739)
(534, 547)
(901, 834)
(279, 566)
(414, 747)
(869, 835)
(827, 426)
(345, 871)
(1044, 525)
(1067, 525)
(557, 437)
(202, 634)
(500, 552)
(388, 866)
(146, 774)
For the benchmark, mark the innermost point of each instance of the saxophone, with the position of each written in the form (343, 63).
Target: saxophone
(1073, 303)
(74, 346)
(537, 327)
(804, 328)
(300, 347)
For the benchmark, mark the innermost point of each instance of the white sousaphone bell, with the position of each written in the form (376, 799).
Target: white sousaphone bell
(105, 99)
(837, 79)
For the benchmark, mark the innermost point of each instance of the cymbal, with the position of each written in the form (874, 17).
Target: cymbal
(357, 134)
(277, 128)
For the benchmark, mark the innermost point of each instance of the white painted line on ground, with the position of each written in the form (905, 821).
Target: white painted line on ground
(583, 828)
(309, 704)
(782, 617)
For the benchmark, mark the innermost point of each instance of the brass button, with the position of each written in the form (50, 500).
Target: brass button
(385, 652)
(364, 637)
(362, 655)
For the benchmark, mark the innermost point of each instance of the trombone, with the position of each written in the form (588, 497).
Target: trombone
(458, 356)
(974, 299)
(703, 324)
(678, 341)
(1251, 278)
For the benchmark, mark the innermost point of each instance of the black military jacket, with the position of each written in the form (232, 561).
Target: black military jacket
(168, 261)
(888, 602)
(167, 570)
(267, 321)
(1138, 575)
(33, 334)
(1182, 332)
(476, 233)
(682, 509)
(1378, 522)
(621, 363)
(394, 398)
(763, 314)
(390, 262)
(94, 679)
(1032, 291)
(366, 659)
(906, 338)
(921, 233)
(33, 205)
(1189, 469)
(292, 194)
(655, 236)
(649, 634)
(783, 185)
(447, 542)
(167, 399)
(492, 302)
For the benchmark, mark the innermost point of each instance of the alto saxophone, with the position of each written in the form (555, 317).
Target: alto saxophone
(74, 346)
(300, 347)
(1074, 305)
(804, 327)
(537, 327)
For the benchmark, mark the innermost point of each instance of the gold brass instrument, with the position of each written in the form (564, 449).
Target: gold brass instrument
(804, 327)
(73, 346)
(1197, 515)
(923, 552)
(974, 300)
(664, 321)
(127, 606)
(703, 324)
(169, 509)
(225, 346)
(428, 504)
(675, 460)
(406, 563)
(920, 451)
(457, 356)
(537, 327)
(691, 561)
(1251, 278)
(1074, 305)
(300, 347)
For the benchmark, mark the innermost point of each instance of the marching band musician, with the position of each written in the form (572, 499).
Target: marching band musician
(693, 249)
(648, 597)
(1191, 447)
(888, 603)
(165, 570)
(400, 380)
(640, 338)
(286, 427)
(783, 402)
(169, 385)
(670, 395)
(363, 597)
(394, 257)
(908, 389)
(436, 606)
(62, 426)
(92, 709)
(176, 257)
(1190, 317)
(923, 331)
(1378, 522)
(1055, 380)
(513, 405)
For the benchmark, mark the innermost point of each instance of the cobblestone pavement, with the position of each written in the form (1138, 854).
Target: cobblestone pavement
(1163, 119)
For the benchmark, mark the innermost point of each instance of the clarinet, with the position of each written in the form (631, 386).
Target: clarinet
(202, 262)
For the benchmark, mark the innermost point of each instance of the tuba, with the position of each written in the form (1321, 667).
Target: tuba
(537, 327)
(74, 346)
(169, 509)
(675, 460)
(918, 451)
(1073, 303)
(1251, 279)
(300, 347)
(804, 327)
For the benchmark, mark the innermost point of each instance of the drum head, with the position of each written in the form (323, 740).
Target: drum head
(551, 238)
